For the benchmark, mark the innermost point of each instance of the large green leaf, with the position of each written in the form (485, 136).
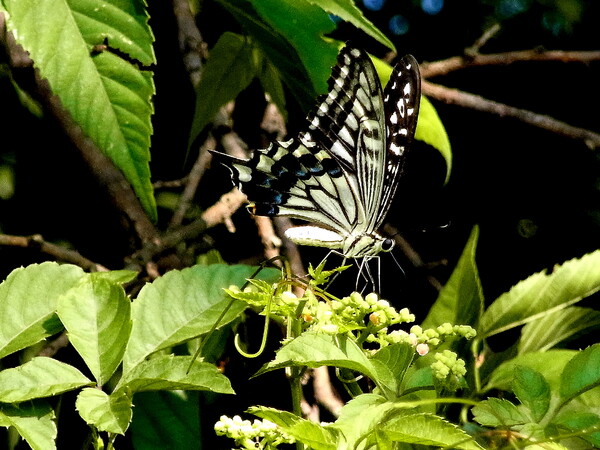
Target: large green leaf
(106, 95)
(96, 314)
(182, 305)
(313, 435)
(461, 299)
(28, 299)
(541, 294)
(283, 54)
(555, 327)
(40, 377)
(348, 11)
(174, 372)
(581, 373)
(34, 421)
(166, 419)
(229, 70)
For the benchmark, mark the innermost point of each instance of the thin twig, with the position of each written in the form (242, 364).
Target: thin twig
(444, 67)
(37, 242)
(461, 98)
(193, 180)
(483, 39)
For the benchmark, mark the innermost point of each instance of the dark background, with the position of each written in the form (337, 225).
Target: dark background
(533, 193)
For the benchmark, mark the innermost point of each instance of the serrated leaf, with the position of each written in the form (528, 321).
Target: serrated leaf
(283, 55)
(116, 276)
(40, 377)
(348, 11)
(578, 421)
(59, 36)
(229, 70)
(304, 25)
(532, 390)
(165, 419)
(498, 412)
(311, 434)
(110, 413)
(96, 314)
(28, 300)
(34, 421)
(314, 349)
(396, 359)
(581, 373)
(427, 429)
(550, 364)
(555, 327)
(461, 299)
(171, 372)
(182, 305)
(542, 293)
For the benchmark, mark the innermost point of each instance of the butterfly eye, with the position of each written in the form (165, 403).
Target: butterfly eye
(387, 244)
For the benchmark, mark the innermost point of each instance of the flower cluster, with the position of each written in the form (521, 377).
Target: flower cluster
(449, 369)
(259, 434)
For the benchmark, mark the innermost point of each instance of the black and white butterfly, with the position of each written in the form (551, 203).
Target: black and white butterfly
(342, 172)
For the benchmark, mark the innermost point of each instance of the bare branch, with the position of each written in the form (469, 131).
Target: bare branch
(457, 97)
(193, 180)
(37, 242)
(191, 44)
(444, 67)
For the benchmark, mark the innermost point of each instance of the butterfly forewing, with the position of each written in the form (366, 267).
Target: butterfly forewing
(401, 98)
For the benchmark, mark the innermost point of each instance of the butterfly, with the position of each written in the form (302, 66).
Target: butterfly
(341, 173)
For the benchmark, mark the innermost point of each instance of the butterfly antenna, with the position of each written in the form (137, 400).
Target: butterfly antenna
(398, 264)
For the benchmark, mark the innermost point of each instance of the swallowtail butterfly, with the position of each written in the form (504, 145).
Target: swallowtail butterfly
(342, 172)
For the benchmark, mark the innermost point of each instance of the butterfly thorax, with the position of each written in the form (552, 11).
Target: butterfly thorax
(366, 245)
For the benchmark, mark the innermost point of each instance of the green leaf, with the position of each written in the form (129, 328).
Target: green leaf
(170, 372)
(550, 364)
(396, 359)
(461, 299)
(116, 276)
(347, 10)
(303, 25)
(498, 412)
(555, 327)
(283, 54)
(426, 429)
(110, 413)
(229, 71)
(182, 305)
(40, 377)
(313, 435)
(586, 422)
(108, 97)
(96, 314)
(532, 390)
(34, 421)
(542, 293)
(314, 349)
(581, 373)
(28, 303)
(166, 419)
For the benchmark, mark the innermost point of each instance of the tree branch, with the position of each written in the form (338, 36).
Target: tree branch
(37, 242)
(461, 98)
(444, 67)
